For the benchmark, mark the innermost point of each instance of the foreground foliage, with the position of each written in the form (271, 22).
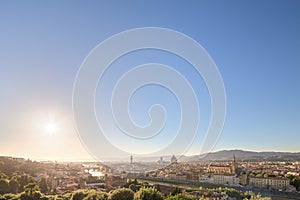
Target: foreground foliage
(148, 194)
(144, 193)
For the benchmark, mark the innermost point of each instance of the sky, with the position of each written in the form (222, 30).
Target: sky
(254, 44)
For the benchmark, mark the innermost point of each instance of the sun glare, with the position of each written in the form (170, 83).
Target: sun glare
(51, 128)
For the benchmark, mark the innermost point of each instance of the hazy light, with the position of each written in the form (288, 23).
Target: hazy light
(51, 128)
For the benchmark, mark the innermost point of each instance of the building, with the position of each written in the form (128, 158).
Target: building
(222, 179)
(205, 179)
(227, 169)
(217, 169)
(161, 161)
(95, 185)
(166, 189)
(181, 176)
(115, 180)
(243, 179)
(173, 159)
(270, 182)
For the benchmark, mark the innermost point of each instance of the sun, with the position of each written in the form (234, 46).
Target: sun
(51, 128)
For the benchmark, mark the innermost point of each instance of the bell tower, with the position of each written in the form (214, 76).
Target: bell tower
(233, 165)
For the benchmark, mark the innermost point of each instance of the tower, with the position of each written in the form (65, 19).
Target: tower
(131, 159)
(233, 165)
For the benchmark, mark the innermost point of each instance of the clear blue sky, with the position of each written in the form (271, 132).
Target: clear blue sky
(255, 44)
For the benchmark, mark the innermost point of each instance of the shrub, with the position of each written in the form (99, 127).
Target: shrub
(148, 194)
(121, 194)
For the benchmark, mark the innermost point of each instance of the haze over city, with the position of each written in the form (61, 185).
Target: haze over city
(255, 46)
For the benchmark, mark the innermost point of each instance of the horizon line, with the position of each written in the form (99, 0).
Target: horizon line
(136, 156)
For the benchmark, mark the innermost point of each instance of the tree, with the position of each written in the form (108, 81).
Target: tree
(44, 186)
(30, 189)
(3, 176)
(4, 187)
(79, 195)
(234, 193)
(296, 182)
(175, 191)
(96, 195)
(260, 174)
(14, 185)
(121, 194)
(149, 193)
(134, 187)
(135, 182)
(181, 197)
(35, 195)
(67, 194)
(24, 180)
(11, 196)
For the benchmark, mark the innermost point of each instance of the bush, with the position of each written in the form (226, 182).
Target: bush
(96, 195)
(35, 195)
(134, 187)
(148, 194)
(121, 194)
(181, 197)
(66, 195)
(10, 196)
(79, 195)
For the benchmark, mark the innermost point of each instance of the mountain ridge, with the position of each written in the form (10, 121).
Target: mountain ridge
(245, 155)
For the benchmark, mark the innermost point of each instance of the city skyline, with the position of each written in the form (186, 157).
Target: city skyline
(256, 50)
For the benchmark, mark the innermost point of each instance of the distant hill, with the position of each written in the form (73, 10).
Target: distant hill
(245, 156)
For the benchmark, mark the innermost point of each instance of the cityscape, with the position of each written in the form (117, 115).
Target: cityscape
(149, 100)
(210, 179)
